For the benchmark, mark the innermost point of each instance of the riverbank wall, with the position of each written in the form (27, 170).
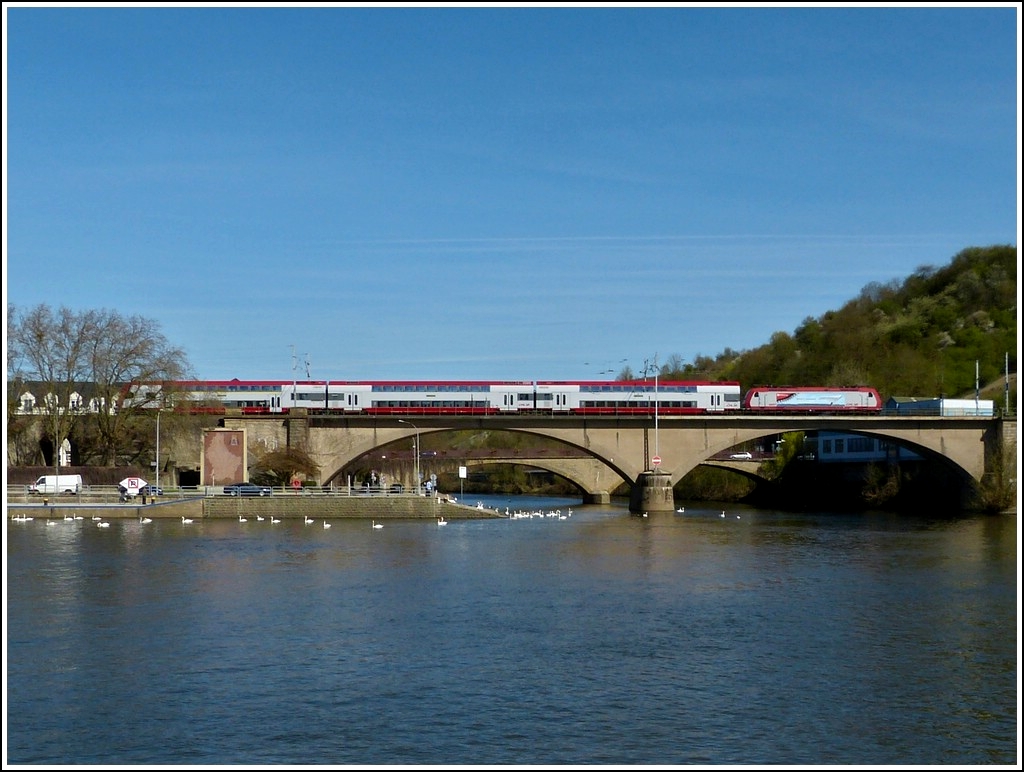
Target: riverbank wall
(230, 507)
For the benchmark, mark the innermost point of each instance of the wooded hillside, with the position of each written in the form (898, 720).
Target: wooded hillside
(917, 337)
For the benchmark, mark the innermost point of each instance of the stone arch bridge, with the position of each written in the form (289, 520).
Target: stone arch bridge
(613, 450)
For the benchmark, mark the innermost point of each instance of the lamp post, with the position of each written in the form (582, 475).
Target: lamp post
(656, 453)
(647, 369)
(417, 447)
(294, 364)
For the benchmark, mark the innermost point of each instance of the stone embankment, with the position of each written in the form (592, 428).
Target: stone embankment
(285, 506)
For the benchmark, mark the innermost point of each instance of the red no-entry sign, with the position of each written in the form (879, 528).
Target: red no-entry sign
(656, 461)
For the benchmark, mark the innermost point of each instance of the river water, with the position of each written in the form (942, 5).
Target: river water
(597, 638)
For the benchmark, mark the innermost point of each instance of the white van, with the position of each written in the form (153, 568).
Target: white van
(53, 483)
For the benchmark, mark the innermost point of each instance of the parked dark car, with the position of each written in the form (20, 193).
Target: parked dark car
(151, 490)
(397, 488)
(247, 489)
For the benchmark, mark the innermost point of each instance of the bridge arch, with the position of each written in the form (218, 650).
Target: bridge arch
(593, 475)
(925, 451)
(625, 446)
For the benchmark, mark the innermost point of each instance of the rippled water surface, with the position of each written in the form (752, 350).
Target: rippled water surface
(687, 638)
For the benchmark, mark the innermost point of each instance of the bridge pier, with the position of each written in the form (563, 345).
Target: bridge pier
(597, 497)
(652, 493)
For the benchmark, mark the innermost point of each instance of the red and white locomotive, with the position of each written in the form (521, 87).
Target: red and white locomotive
(813, 399)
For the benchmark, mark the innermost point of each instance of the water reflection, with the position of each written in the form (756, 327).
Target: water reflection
(604, 638)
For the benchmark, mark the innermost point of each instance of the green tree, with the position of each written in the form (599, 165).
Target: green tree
(789, 447)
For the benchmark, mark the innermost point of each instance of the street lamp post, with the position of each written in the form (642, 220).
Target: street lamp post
(647, 369)
(656, 453)
(417, 448)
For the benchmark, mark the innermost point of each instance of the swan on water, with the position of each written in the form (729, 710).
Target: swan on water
(242, 519)
(186, 519)
(326, 524)
(377, 525)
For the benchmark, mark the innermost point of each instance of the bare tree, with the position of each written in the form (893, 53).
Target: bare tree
(52, 347)
(123, 352)
(674, 367)
(22, 446)
(90, 356)
(278, 467)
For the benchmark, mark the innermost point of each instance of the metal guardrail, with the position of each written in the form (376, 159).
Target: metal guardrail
(107, 493)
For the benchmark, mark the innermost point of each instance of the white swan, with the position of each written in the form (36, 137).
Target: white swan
(242, 519)
(326, 524)
(50, 521)
(260, 517)
(723, 513)
(307, 520)
(102, 525)
(274, 519)
(145, 519)
(442, 521)
(377, 525)
(681, 509)
(186, 520)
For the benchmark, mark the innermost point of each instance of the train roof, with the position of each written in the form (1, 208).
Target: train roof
(814, 388)
(235, 382)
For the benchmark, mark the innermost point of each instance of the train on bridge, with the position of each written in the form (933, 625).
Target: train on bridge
(580, 398)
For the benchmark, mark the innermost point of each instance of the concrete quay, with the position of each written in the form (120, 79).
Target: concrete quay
(409, 507)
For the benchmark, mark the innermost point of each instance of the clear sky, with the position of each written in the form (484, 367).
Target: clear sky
(496, 192)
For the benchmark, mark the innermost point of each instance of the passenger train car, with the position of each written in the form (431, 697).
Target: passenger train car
(453, 397)
(598, 398)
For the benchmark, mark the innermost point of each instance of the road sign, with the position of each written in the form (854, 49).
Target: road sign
(656, 461)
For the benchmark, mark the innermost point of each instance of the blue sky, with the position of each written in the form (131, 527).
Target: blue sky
(496, 193)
